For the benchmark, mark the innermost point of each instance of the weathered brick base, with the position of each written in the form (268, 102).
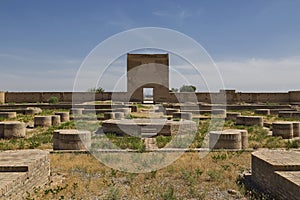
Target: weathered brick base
(21, 171)
(277, 172)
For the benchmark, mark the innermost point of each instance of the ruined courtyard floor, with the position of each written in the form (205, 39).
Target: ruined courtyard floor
(81, 176)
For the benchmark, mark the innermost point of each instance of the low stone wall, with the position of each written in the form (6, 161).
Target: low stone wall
(277, 172)
(134, 127)
(249, 120)
(223, 96)
(262, 111)
(21, 171)
(289, 114)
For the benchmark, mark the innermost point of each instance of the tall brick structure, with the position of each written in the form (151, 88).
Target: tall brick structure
(148, 71)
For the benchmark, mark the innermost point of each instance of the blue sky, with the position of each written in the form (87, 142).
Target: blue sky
(255, 44)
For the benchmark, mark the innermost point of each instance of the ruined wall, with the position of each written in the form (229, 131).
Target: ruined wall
(262, 97)
(160, 95)
(2, 97)
(36, 97)
(294, 96)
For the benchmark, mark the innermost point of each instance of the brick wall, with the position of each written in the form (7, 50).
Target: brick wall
(277, 172)
(229, 97)
(21, 171)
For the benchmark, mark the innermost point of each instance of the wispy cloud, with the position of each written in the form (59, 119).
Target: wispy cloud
(177, 14)
(121, 20)
(182, 14)
(258, 74)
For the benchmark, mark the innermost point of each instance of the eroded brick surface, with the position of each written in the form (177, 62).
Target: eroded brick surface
(22, 170)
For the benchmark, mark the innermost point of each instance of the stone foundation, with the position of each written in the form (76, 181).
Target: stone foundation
(249, 120)
(43, 121)
(283, 129)
(71, 139)
(55, 120)
(232, 115)
(170, 111)
(64, 116)
(119, 115)
(76, 111)
(134, 127)
(12, 129)
(32, 111)
(289, 114)
(21, 171)
(277, 172)
(8, 115)
(262, 111)
(296, 129)
(109, 115)
(182, 115)
(228, 139)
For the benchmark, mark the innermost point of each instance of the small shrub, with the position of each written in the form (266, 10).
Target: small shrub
(214, 174)
(293, 144)
(188, 177)
(199, 172)
(96, 90)
(221, 156)
(21, 144)
(169, 194)
(113, 193)
(130, 116)
(162, 141)
(53, 100)
(56, 190)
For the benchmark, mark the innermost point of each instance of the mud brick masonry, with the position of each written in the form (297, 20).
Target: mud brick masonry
(277, 172)
(21, 171)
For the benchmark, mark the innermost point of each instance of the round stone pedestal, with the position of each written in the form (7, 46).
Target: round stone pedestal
(229, 139)
(12, 129)
(55, 120)
(64, 116)
(71, 139)
(43, 121)
(283, 129)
